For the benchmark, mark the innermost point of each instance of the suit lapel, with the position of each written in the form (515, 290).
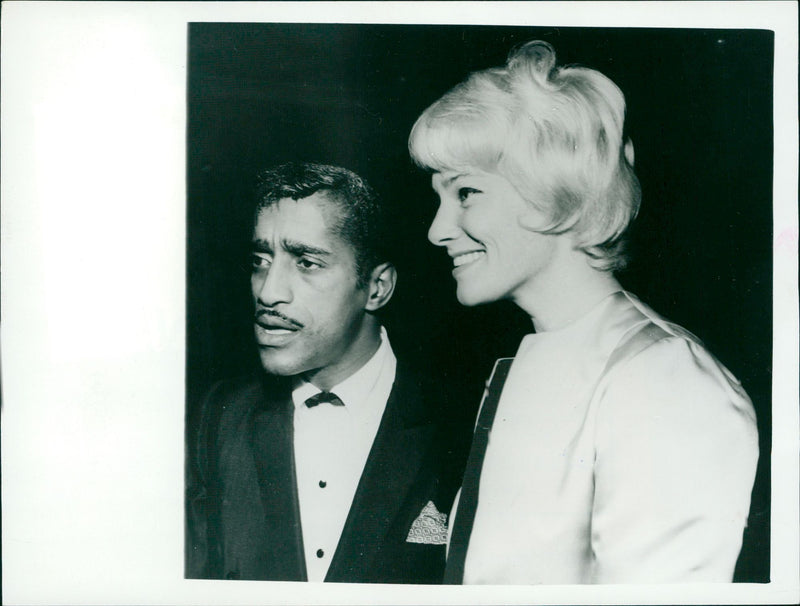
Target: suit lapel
(389, 473)
(273, 455)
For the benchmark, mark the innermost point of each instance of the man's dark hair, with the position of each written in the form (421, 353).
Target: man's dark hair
(362, 221)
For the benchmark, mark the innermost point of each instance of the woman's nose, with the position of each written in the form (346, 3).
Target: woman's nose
(444, 226)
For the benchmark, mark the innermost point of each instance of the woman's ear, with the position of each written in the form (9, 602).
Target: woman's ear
(382, 281)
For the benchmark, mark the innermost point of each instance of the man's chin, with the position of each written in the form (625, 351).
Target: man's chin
(279, 363)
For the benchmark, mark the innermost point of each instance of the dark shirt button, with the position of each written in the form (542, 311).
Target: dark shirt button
(320, 553)
(233, 575)
(322, 483)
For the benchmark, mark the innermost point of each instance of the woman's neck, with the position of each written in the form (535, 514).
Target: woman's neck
(566, 293)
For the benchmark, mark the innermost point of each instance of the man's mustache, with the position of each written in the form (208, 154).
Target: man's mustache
(273, 318)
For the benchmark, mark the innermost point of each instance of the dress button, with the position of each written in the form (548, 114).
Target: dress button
(320, 553)
(322, 483)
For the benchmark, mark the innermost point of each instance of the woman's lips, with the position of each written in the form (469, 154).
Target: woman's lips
(467, 258)
(462, 261)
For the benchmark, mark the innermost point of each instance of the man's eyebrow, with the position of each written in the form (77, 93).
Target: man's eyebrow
(298, 249)
(261, 246)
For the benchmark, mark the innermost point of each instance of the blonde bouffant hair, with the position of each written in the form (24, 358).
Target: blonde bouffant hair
(554, 132)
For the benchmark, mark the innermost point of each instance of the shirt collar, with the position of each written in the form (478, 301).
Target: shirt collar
(355, 389)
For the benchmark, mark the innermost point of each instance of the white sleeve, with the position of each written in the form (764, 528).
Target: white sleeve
(676, 453)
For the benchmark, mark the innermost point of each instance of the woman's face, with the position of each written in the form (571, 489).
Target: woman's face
(480, 222)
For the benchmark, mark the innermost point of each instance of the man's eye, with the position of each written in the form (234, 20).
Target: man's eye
(307, 264)
(258, 262)
(466, 192)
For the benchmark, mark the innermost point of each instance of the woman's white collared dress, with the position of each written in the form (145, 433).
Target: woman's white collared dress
(614, 458)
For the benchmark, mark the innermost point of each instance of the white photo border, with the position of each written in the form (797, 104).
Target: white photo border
(93, 336)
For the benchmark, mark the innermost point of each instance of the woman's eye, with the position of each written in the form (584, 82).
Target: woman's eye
(466, 192)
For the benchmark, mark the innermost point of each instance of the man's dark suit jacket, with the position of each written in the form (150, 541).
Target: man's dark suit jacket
(243, 517)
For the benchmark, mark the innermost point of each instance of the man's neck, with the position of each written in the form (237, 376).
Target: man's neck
(358, 353)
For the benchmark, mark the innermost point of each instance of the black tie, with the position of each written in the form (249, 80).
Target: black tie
(468, 502)
(324, 396)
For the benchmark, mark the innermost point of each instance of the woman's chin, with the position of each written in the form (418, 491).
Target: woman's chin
(471, 298)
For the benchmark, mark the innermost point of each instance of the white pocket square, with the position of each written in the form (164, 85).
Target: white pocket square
(430, 527)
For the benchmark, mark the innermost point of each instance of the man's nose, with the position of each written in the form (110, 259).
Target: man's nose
(444, 226)
(274, 286)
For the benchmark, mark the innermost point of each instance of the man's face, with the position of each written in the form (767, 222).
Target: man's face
(309, 310)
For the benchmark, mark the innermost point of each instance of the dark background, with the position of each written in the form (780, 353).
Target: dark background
(699, 114)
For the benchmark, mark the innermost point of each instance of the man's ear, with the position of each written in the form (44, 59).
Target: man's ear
(382, 281)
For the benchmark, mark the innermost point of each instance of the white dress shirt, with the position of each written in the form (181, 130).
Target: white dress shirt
(642, 473)
(331, 446)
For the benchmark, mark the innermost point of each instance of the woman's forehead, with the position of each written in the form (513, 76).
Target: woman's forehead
(447, 177)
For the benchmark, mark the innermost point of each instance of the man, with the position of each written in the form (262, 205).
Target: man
(334, 464)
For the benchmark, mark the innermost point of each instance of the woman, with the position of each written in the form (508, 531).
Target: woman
(621, 451)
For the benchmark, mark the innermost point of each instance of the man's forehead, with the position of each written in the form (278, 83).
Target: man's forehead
(323, 201)
(314, 218)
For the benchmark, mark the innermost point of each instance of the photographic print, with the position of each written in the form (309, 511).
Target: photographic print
(431, 302)
(698, 112)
